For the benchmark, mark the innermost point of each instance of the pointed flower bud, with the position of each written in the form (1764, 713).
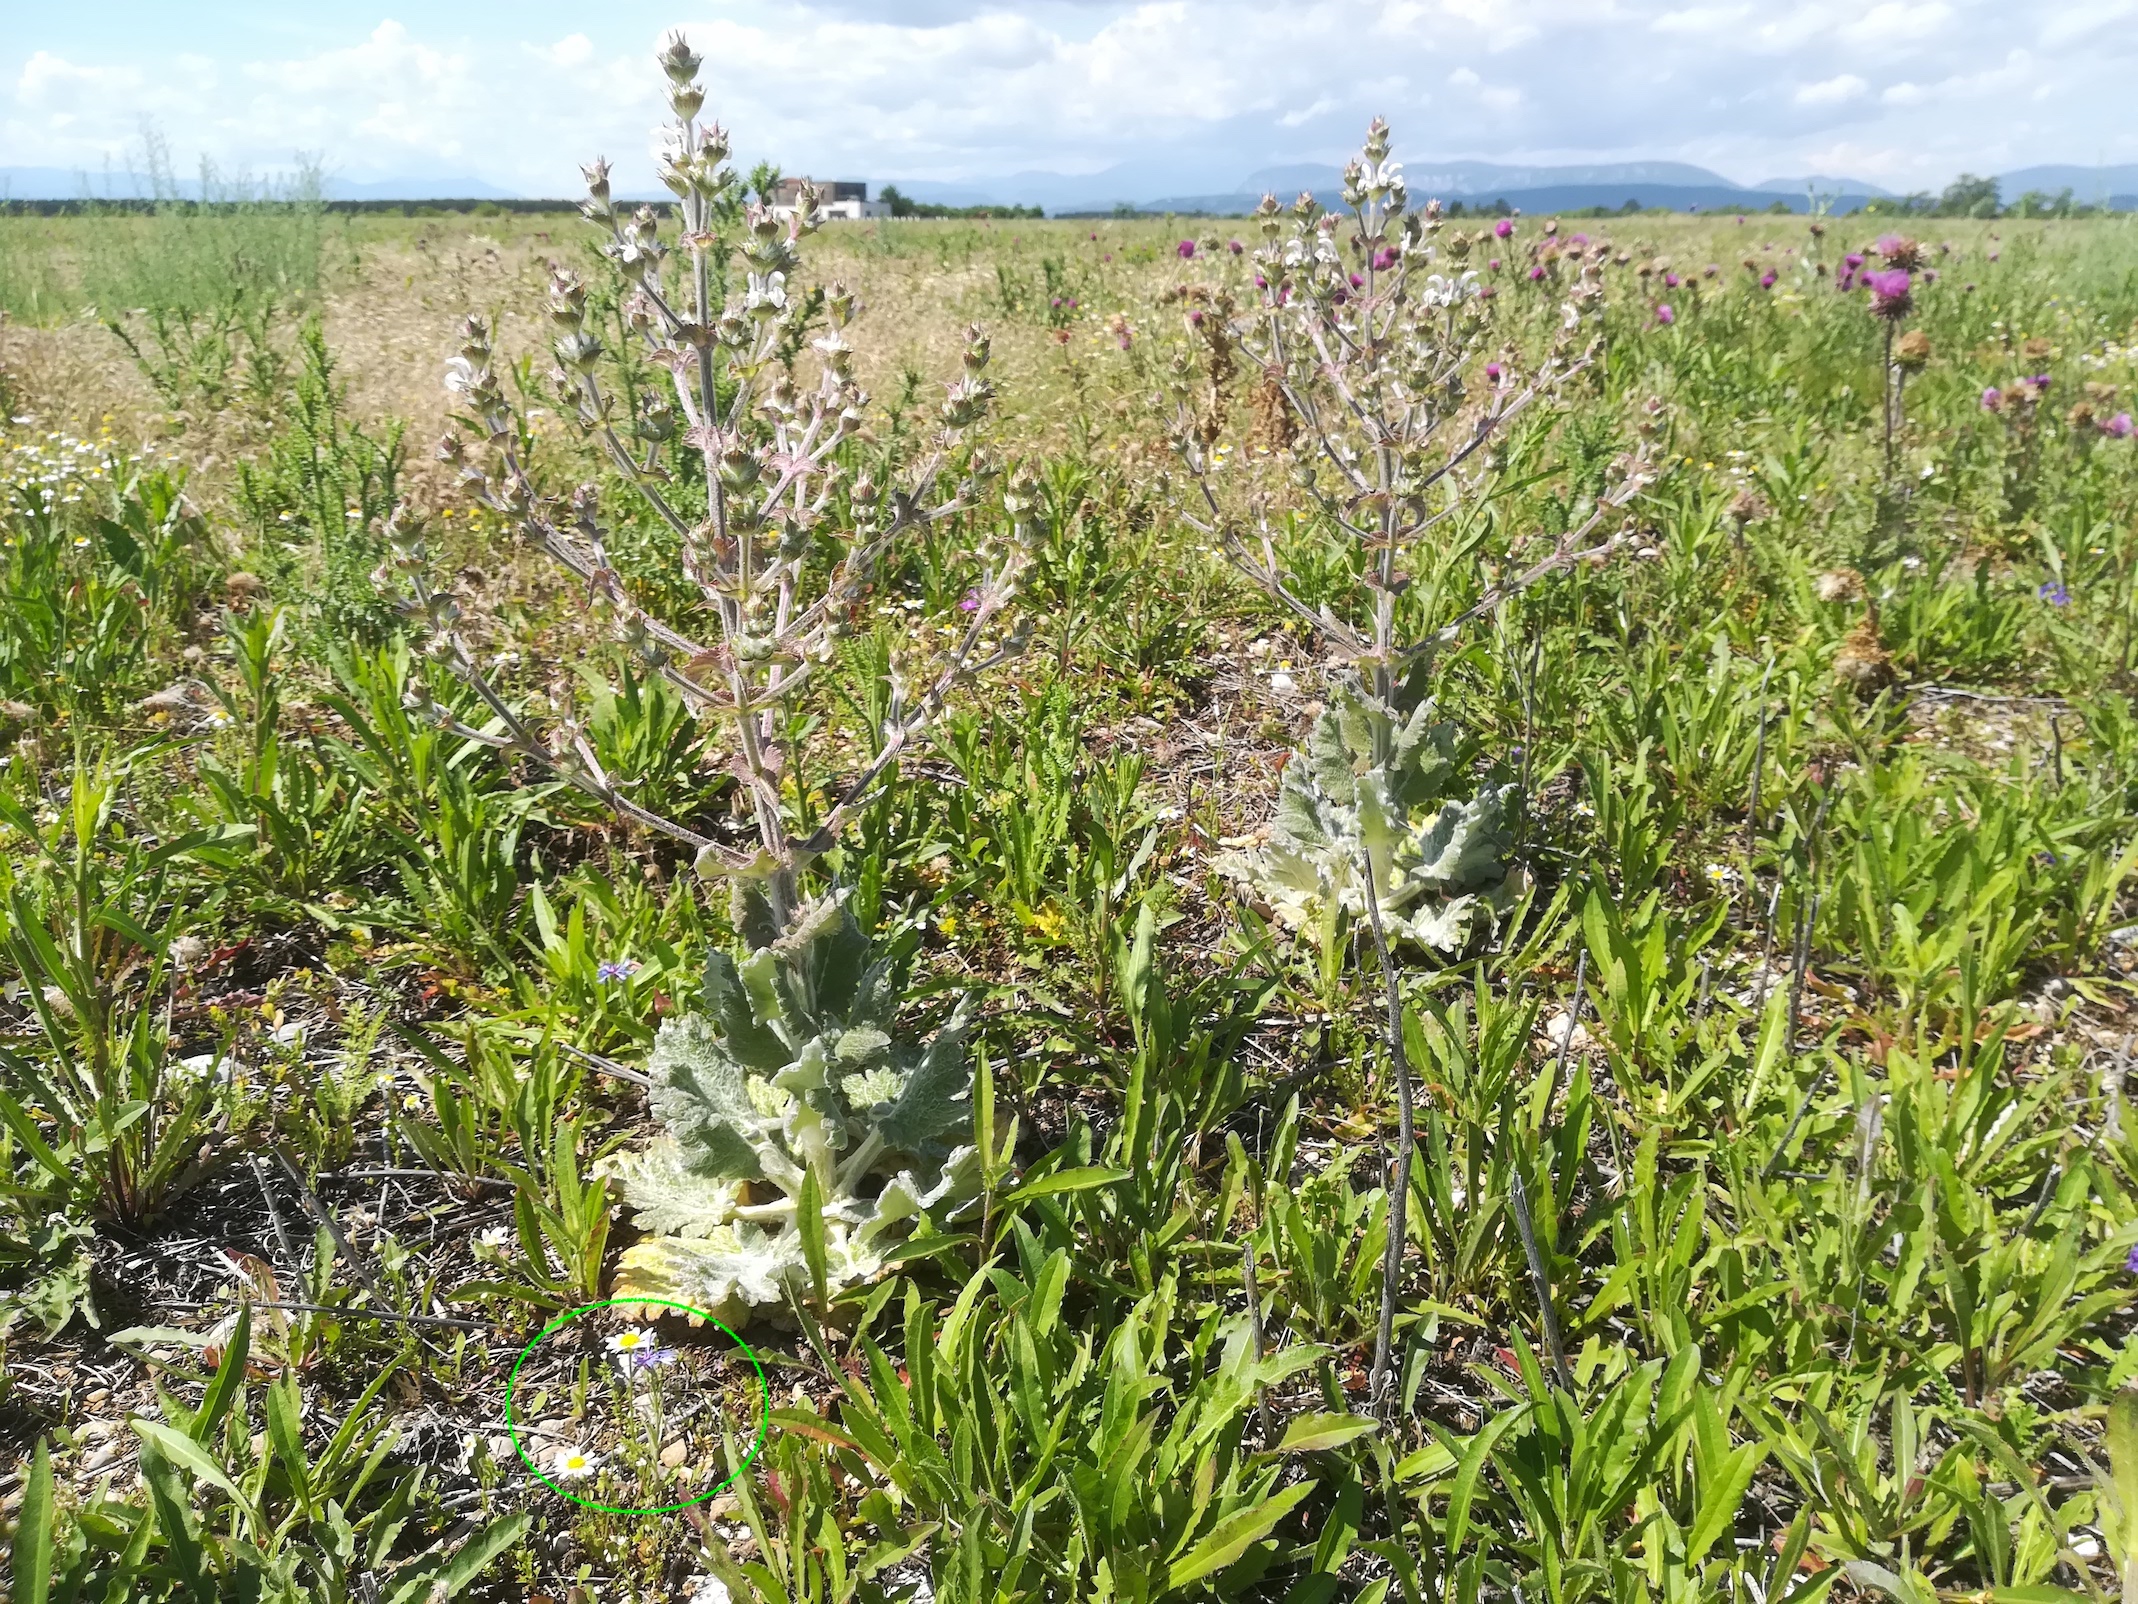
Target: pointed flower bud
(678, 60)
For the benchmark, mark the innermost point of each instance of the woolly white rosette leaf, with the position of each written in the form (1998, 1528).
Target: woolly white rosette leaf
(793, 1067)
(1438, 858)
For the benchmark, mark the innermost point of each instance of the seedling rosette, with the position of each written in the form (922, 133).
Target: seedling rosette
(799, 1124)
(1375, 785)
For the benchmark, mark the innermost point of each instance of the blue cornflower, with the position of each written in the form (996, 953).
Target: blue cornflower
(616, 969)
(2053, 592)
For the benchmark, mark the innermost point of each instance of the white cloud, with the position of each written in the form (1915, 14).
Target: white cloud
(1204, 89)
(1894, 22)
(1700, 21)
(1834, 91)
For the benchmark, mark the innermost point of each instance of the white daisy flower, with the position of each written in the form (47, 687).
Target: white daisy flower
(573, 1464)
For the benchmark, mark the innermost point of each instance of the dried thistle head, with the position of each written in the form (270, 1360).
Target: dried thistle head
(1840, 584)
(1748, 506)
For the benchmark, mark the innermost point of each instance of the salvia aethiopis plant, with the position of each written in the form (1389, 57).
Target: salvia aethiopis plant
(1367, 345)
(1371, 353)
(804, 1136)
(790, 1081)
(783, 538)
(1382, 796)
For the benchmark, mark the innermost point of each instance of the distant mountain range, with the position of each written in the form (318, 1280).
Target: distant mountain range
(1678, 186)
(1162, 185)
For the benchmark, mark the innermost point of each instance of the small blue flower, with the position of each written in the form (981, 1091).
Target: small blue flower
(2053, 592)
(2131, 1263)
(650, 1358)
(616, 969)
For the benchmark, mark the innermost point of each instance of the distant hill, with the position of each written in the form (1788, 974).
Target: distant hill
(1823, 184)
(1449, 179)
(1719, 197)
(2087, 184)
(1677, 186)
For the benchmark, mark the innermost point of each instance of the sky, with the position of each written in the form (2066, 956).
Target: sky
(1194, 93)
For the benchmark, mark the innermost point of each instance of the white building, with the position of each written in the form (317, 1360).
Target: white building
(834, 200)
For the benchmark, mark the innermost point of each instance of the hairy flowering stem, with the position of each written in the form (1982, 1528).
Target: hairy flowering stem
(783, 541)
(1369, 341)
(1399, 1170)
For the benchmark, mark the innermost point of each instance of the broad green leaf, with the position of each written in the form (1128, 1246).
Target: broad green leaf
(285, 1431)
(1310, 1433)
(31, 1553)
(809, 1223)
(478, 1551)
(183, 1451)
(1081, 1179)
(1474, 1457)
(1234, 1535)
(223, 1385)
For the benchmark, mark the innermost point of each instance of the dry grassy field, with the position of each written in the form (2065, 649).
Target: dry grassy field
(1209, 908)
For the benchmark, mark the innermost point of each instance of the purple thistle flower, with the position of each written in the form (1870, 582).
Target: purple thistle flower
(1185, 249)
(1766, 280)
(1993, 399)
(2053, 592)
(1504, 228)
(1664, 315)
(1383, 260)
(1577, 239)
(1536, 273)
(1494, 264)
(1671, 281)
(1234, 246)
(2038, 383)
(1261, 283)
(1492, 372)
(2119, 427)
(1852, 261)
(1892, 292)
(1357, 282)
